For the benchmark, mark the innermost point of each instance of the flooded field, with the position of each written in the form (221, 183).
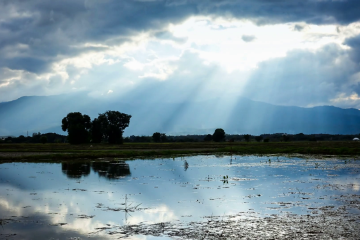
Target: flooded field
(198, 197)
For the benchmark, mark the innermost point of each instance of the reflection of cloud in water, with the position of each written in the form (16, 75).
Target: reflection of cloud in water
(46, 223)
(352, 183)
(158, 214)
(47, 212)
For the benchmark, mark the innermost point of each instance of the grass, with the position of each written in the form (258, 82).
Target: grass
(62, 151)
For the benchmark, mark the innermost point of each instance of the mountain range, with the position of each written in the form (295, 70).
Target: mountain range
(236, 116)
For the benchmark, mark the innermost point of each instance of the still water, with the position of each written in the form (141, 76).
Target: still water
(93, 199)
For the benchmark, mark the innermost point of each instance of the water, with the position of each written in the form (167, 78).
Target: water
(99, 199)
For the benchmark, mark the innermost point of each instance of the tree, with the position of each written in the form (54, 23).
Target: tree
(78, 126)
(208, 138)
(247, 137)
(113, 124)
(258, 138)
(219, 135)
(96, 131)
(156, 136)
(43, 139)
(286, 138)
(21, 139)
(163, 137)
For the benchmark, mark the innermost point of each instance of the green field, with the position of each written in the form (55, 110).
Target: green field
(63, 151)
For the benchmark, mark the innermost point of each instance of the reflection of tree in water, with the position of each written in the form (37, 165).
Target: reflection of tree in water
(186, 165)
(75, 170)
(111, 170)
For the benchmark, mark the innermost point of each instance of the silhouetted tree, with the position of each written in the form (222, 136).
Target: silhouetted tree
(78, 126)
(247, 137)
(43, 139)
(208, 138)
(96, 131)
(21, 139)
(163, 137)
(258, 138)
(219, 135)
(156, 136)
(113, 124)
(286, 138)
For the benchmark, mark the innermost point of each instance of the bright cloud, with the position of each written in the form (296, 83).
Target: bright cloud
(243, 44)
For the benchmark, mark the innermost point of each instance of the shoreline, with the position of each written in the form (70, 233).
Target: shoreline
(63, 152)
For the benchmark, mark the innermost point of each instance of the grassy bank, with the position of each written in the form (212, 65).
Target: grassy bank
(54, 152)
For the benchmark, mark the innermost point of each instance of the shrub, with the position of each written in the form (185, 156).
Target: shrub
(43, 139)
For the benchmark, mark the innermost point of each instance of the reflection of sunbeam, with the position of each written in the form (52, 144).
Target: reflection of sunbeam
(349, 183)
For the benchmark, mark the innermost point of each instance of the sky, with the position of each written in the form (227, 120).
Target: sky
(300, 52)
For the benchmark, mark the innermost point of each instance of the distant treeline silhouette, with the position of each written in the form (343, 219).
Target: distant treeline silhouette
(275, 137)
(36, 138)
(109, 127)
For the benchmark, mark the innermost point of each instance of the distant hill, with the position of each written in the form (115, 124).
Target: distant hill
(236, 116)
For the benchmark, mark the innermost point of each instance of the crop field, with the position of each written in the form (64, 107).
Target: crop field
(63, 151)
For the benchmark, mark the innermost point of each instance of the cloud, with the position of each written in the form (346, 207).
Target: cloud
(51, 31)
(304, 78)
(299, 27)
(248, 38)
(354, 43)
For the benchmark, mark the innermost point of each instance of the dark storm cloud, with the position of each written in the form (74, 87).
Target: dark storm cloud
(26, 63)
(276, 11)
(50, 30)
(354, 43)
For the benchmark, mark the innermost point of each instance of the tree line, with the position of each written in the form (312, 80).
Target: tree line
(36, 138)
(217, 136)
(109, 127)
